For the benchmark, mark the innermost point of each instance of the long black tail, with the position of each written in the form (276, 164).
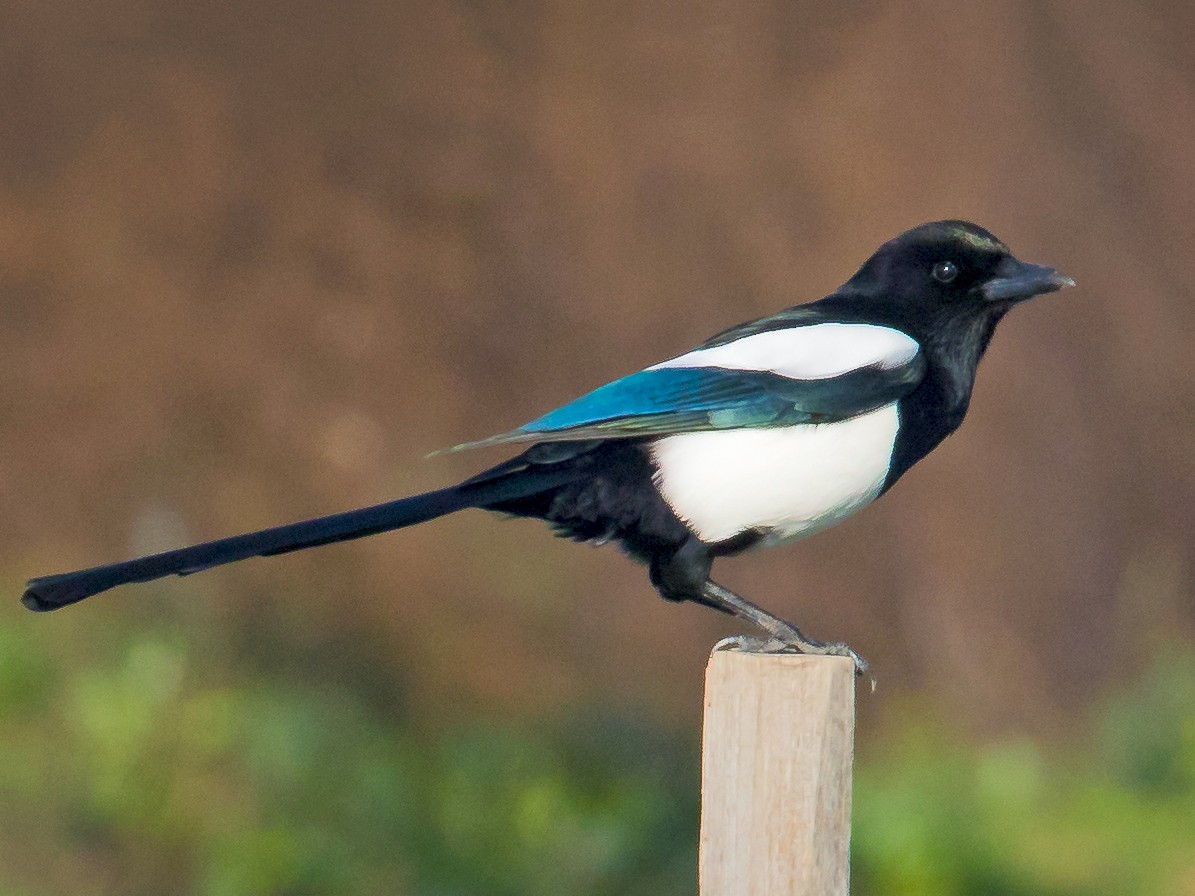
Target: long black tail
(52, 592)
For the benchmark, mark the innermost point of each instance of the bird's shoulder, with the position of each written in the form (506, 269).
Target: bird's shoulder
(819, 340)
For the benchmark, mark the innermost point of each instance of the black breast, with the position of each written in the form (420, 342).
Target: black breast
(936, 408)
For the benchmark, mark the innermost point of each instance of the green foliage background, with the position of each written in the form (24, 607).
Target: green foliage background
(129, 764)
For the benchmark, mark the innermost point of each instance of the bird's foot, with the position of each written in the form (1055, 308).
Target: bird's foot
(797, 643)
(782, 637)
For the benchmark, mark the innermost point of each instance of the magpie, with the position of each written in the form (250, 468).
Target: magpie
(768, 432)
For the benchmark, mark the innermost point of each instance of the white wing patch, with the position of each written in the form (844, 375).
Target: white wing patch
(814, 352)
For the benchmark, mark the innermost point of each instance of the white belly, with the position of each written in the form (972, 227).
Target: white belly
(787, 482)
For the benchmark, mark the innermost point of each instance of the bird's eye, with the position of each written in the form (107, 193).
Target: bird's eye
(945, 271)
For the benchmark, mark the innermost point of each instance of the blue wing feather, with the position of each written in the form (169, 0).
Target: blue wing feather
(651, 393)
(660, 401)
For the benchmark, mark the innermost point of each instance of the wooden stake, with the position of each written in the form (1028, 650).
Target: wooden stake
(776, 775)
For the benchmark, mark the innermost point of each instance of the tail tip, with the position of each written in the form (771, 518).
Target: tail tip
(33, 601)
(41, 596)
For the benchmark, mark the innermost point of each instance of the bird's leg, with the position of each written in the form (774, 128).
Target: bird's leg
(783, 637)
(684, 574)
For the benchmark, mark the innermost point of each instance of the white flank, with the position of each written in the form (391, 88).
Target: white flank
(814, 352)
(788, 482)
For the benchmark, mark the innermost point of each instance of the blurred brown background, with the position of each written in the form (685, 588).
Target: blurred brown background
(257, 259)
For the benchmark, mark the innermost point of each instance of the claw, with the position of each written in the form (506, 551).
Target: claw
(751, 644)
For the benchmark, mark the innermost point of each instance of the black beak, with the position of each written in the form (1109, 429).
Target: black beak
(1016, 281)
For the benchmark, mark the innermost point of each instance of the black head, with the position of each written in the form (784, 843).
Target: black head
(952, 269)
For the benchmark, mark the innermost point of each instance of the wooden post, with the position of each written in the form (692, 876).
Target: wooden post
(776, 775)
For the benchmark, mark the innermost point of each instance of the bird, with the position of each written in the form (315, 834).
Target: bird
(767, 432)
